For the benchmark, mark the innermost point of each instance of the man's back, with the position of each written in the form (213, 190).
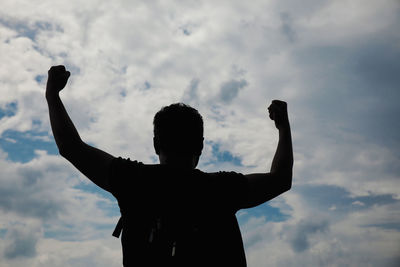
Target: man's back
(178, 217)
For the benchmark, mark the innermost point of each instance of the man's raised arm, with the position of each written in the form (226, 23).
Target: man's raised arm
(91, 161)
(265, 186)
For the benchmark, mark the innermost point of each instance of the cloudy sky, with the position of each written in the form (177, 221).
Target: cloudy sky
(336, 63)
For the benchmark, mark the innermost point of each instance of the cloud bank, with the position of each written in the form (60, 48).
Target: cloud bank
(335, 63)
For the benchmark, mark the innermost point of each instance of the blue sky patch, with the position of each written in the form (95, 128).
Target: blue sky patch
(40, 78)
(29, 30)
(3, 233)
(147, 85)
(21, 146)
(9, 110)
(92, 188)
(122, 93)
(224, 155)
(271, 214)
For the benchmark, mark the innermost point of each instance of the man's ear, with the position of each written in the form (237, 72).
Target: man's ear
(201, 146)
(156, 144)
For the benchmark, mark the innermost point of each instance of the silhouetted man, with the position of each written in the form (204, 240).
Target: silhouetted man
(173, 214)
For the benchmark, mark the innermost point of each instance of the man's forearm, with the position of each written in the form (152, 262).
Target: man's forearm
(64, 131)
(283, 159)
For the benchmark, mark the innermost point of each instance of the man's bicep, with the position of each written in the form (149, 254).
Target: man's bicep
(93, 163)
(263, 187)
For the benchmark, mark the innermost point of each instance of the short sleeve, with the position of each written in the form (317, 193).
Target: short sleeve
(123, 174)
(232, 187)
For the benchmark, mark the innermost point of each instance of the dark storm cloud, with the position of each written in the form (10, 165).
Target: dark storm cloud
(20, 242)
(362, 80)
(229, 90)
(26, 202)
(300, 235)
(324, 197)
(287, 27)
(191, 95)
(24, 192)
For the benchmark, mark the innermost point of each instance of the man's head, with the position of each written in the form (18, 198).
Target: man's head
(178, 135)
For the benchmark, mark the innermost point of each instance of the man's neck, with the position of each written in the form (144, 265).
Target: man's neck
(182, 162)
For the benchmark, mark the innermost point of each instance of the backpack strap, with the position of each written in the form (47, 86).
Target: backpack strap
(118, 228)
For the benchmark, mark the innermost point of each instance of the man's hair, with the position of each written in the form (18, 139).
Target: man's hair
(178, 129)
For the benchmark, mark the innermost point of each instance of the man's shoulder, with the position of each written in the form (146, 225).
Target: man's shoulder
(126, 161)
(123, 166)
(225, 175)
(121, 163)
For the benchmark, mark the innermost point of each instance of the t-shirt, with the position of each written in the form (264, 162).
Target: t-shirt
(178, 217)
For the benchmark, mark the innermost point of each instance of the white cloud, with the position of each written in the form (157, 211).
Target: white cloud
(20, 241)
(39, 201)
(317, 237)
(51, 252)
(358, 203)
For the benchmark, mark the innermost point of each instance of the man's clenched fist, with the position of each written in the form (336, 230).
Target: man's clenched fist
(57, 79)
(278, 113)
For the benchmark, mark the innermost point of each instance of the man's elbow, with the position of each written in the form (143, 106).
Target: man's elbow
(288, 186)
(68, 151)
(287, 177)
(64, 152)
